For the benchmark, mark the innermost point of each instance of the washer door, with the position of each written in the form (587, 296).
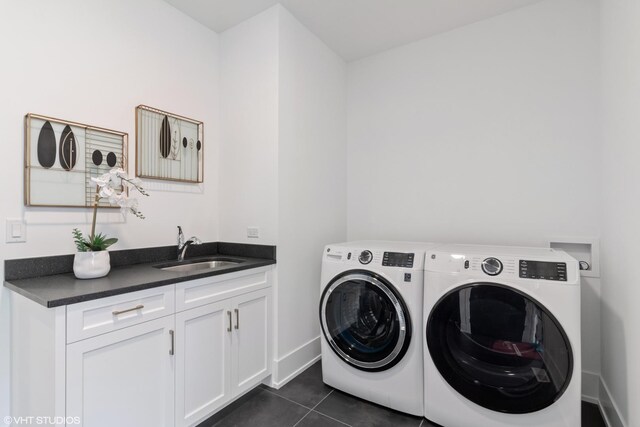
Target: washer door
(499, 348)
(365, 321)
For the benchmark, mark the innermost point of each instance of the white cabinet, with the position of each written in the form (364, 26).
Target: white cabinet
(203, 354)
(102, 315)
(250, 362)
(125, 377)
(168, 356)
(222, 350)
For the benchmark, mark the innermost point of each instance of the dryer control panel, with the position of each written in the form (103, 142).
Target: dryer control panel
(398, 259)
(543, 270)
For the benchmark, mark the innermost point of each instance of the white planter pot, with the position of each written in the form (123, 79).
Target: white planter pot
(90, 265)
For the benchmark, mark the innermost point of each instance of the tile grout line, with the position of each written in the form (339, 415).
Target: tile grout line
(306, 407)
(322, 400)
(318, 412)
(325, 415)
(311, 410)
(421, 422)
(292, 401)
(303, 417)
(330, 417)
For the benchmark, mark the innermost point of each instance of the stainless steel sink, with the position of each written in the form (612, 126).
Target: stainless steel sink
(189, 266)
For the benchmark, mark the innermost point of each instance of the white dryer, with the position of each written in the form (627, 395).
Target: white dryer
(502, 337)
(371, 319)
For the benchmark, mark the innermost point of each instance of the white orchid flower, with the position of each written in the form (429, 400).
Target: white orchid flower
(129, 205)
(115, 181)
(105, 192)
(102, 180)
(111, 185)
(117, 199)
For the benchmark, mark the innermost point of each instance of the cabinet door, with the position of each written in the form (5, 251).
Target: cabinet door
(123, 378)
(203, 347)
(251, 339)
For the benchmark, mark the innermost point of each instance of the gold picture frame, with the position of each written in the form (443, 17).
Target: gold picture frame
(168, 146)
(61, 157)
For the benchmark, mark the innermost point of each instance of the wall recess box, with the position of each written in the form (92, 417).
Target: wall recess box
(581, 248)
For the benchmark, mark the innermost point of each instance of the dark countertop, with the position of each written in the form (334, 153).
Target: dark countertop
(64, 289)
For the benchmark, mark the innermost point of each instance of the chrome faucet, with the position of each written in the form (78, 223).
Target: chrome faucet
(182, 245)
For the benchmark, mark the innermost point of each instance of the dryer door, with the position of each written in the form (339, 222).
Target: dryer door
(365, 321)
(499, 348)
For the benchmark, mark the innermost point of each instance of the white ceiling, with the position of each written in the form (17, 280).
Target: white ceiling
(356, 28)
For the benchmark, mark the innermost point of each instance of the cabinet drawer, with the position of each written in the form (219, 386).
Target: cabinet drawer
(103, 315)
(204, 291)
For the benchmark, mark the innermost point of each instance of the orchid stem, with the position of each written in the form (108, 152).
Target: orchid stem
(95, 214)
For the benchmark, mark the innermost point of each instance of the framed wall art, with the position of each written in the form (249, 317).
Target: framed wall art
(61, 157)
(168, 146)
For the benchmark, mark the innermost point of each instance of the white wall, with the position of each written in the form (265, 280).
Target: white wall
(485, 134)
(312, 181)
(283, 163)
(93, 62)
(621, 206)
(249, 125)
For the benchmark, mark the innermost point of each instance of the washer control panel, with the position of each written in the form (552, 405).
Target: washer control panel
(543, 270)
(492, 266)
(398, 259)
(365, 257)
(373, 256)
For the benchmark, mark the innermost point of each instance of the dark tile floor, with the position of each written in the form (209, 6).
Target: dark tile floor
(307, 402)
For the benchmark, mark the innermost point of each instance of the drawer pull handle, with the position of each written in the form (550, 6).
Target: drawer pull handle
(229, 328)
(137, 307)
(173, 342)
(237, 318)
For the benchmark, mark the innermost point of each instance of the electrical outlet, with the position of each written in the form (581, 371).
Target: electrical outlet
(16, 231)
(253, 232)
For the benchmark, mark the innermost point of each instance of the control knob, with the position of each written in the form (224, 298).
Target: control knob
(365, 257)
(492, 266)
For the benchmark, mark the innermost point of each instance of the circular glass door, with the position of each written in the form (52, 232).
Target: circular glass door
(365, 321)
(499, 348)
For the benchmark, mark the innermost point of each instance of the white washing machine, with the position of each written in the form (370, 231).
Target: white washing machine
(371, 319)
(502, 337)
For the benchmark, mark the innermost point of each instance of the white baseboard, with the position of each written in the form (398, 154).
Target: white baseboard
(591, 387)
(610, 411)
(290, 365)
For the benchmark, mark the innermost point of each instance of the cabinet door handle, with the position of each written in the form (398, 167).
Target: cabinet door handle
(229, 328)
(137, 307)
(173, 342)
(237, 318)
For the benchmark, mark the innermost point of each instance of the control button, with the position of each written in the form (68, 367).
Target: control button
(349, 255)
(365, 257)
(492, 266)
(407, 277)
(466, 264)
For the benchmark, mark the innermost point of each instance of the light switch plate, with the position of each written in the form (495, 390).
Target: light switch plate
(253, 232)
(16, 231)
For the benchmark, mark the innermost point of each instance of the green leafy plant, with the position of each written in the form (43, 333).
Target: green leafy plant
(99, 242)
